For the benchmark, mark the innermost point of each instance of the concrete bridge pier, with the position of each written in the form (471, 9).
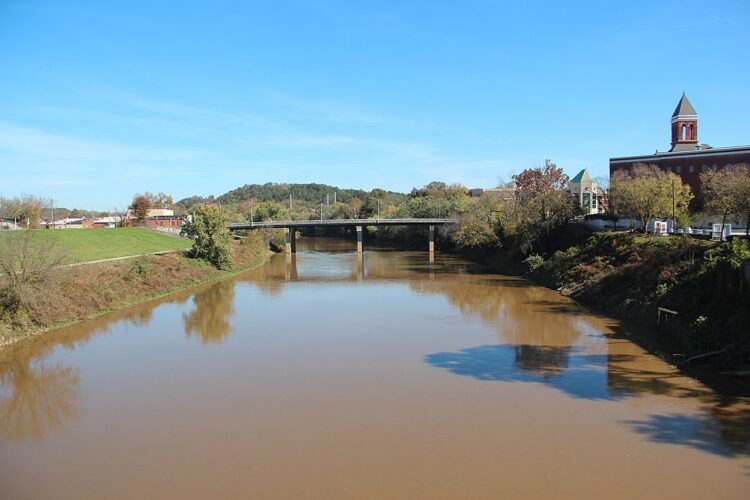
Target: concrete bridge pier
(431, 239)
(359, 239)
(360, 267)
(290, 270)
(290, 236)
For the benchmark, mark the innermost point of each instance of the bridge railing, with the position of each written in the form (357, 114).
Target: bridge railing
(343, 222)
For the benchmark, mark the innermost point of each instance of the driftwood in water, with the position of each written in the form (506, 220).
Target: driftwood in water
(737, 373)
(705, 355)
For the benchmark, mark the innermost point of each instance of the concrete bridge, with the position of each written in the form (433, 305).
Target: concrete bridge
(290, 227)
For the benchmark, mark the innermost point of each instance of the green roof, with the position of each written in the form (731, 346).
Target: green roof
(577, 179)
(684, 107)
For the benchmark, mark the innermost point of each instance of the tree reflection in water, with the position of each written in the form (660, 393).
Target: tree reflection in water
(214, 307)
(546, 361)
(717, 430)
(39, 398)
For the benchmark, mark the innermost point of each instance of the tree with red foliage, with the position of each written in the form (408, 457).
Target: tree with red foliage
(140, 207)
(543, 202)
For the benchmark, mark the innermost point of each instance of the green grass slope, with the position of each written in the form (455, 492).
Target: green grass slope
(82, 245)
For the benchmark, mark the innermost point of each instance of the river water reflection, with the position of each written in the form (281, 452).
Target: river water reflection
(328, 375)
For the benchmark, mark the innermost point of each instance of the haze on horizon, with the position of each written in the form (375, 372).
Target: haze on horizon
(104, 100)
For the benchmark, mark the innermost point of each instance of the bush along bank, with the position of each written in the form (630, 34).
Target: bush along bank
(67, 295)
(693, 292)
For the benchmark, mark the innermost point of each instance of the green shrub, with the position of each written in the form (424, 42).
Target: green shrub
(534, 262)
(210, 234)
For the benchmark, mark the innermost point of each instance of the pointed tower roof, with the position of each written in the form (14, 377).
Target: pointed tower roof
(582, 176)
(684, 108)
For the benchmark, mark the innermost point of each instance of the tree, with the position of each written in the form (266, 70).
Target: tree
(142, 203)
(540, 189)
(719, 192)
(353, 208)
(27, 264)
(646, 192)
(542, 203)
(603, 184)
(26, 209)
(210, 234)
(473, 231)
(741, 174)
(373, 201)
(162, 200)
(268, 210)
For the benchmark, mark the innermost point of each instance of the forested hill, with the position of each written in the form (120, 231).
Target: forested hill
(280, 192)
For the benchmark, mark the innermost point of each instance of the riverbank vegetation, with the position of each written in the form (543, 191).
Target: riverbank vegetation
(692, 290)
(37, 295)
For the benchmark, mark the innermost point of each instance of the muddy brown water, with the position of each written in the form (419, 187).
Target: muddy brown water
(325, 375)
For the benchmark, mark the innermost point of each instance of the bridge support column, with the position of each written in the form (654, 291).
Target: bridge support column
(290, 270)
(359, 239)
(290, 237)
(360, 267)
(431, 239)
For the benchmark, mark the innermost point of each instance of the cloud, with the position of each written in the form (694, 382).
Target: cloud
(33, 144)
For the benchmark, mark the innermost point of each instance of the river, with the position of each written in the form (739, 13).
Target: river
(328, 375)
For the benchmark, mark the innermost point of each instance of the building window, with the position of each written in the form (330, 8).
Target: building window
(691, 169)
(678, 170)
(669, 169)
(704, 168)
(715, 167)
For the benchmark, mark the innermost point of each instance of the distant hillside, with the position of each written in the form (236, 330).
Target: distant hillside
(270, 191)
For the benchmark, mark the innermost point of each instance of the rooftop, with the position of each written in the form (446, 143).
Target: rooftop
(684, 108)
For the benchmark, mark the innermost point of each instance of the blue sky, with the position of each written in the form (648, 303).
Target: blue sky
(104, 99)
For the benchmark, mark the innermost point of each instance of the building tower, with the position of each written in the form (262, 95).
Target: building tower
(684, 126)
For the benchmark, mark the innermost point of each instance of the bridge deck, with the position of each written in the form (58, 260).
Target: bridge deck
(342, 222)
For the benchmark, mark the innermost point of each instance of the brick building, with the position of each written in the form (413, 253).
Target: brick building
(687, 157)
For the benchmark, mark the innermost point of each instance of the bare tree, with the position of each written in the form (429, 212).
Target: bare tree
(27, 264)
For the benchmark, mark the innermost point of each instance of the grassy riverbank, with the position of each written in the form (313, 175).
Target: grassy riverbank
(83, 245)
(630, 277)
(84, 292)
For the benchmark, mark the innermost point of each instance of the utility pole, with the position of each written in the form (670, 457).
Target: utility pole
(334, 197)
(290, 201)
(328, 200)
(321, 209)
(52, 202)
(251, 210)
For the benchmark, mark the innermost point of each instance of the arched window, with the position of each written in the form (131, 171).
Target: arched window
(692, 132)
(683, 133)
